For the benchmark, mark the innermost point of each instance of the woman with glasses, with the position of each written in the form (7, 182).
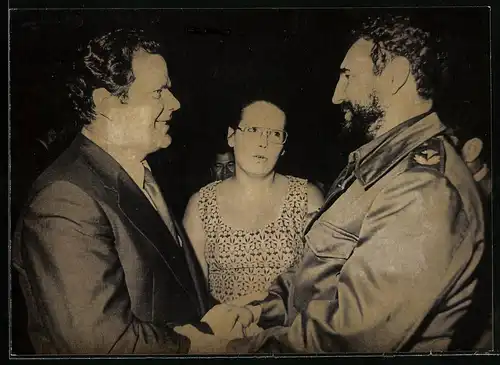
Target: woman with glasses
(246, 230)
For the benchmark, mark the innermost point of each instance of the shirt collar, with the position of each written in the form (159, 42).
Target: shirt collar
(133, 167)
(376, 157)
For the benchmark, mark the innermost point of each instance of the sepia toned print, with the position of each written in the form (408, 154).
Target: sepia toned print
(281, 194)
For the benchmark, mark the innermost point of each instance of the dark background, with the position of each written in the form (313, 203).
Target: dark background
(221, 58)
(217, 60)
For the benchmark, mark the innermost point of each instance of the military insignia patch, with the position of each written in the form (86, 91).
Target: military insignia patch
(429, 154)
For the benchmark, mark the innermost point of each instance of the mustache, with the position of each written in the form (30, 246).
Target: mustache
(346, 106)
(369, 111)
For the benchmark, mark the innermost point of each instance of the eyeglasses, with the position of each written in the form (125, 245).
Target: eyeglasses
(275, 136)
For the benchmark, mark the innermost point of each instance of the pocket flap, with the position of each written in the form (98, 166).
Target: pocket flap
(326, 240)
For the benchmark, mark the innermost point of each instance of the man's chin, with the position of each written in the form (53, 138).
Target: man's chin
(348, 127)
(165, 142)
(348, 116)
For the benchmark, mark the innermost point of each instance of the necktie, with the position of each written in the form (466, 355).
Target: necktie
(153, 190)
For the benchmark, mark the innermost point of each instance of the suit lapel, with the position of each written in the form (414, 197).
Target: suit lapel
(146, 219)
(137, 208)
(194, 268)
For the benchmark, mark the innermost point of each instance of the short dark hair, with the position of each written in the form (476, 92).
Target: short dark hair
(107, 62)
(394, 36)
(235, 120)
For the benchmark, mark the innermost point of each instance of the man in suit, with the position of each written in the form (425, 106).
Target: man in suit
(392, 256)
(103, 266)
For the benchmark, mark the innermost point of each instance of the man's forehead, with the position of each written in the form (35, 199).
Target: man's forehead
(358, 56)
(224, 157)
(151, 68)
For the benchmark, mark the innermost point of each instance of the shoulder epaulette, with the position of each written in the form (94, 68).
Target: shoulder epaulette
(430, 154)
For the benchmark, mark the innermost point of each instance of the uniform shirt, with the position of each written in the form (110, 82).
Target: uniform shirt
(390, 258)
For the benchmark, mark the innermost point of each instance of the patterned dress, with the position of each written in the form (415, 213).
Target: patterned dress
(242, 262)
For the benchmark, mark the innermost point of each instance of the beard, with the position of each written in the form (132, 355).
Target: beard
(363, 120)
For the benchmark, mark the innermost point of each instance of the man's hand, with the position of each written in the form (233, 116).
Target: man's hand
(202, 343)
(230, 321)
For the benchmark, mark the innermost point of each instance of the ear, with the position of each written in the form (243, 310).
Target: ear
(230, 136)
(99, 97)
(398, 70)
(472, 149)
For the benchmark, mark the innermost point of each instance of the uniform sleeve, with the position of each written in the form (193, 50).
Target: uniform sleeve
(77, 282)
(274, 308)
(401, 266)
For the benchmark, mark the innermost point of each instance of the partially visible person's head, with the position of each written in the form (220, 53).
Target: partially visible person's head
(390, 62)
(124, 87)
(223, 165)
(258, 137)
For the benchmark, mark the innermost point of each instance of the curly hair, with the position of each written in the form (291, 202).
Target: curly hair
(395, 36)
(106, 62)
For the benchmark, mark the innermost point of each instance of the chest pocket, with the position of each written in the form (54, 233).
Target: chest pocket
(328, 241)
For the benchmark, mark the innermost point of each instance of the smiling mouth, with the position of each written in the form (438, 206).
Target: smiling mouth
(164, 125)
(260, 157)
(165, 119)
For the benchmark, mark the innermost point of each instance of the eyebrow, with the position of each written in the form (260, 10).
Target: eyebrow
(343, 70)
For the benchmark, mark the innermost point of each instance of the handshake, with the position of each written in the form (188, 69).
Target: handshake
(228, 322)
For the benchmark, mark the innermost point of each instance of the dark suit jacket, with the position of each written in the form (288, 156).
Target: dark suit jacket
(98, 268)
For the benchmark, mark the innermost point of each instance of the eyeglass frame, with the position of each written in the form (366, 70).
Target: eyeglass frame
(268, 131)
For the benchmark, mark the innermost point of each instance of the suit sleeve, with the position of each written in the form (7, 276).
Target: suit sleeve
(408, 255)
(76, 279)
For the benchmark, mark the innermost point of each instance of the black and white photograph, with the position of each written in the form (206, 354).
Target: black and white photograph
(250, 181)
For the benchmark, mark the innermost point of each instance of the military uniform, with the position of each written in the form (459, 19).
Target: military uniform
(391, 255)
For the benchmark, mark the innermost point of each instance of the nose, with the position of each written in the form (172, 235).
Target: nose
(171, 102)
(263, 141)
(226, 171)
(339, 93)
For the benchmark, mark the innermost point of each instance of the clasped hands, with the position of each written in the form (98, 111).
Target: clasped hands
(228, 322)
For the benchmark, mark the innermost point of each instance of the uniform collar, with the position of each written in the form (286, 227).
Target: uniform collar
(375, 158)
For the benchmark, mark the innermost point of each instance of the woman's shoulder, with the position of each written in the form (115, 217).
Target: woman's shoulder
(206, 193)
(209, 187)
(310, 185)
(305, 188)
(295, 181)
